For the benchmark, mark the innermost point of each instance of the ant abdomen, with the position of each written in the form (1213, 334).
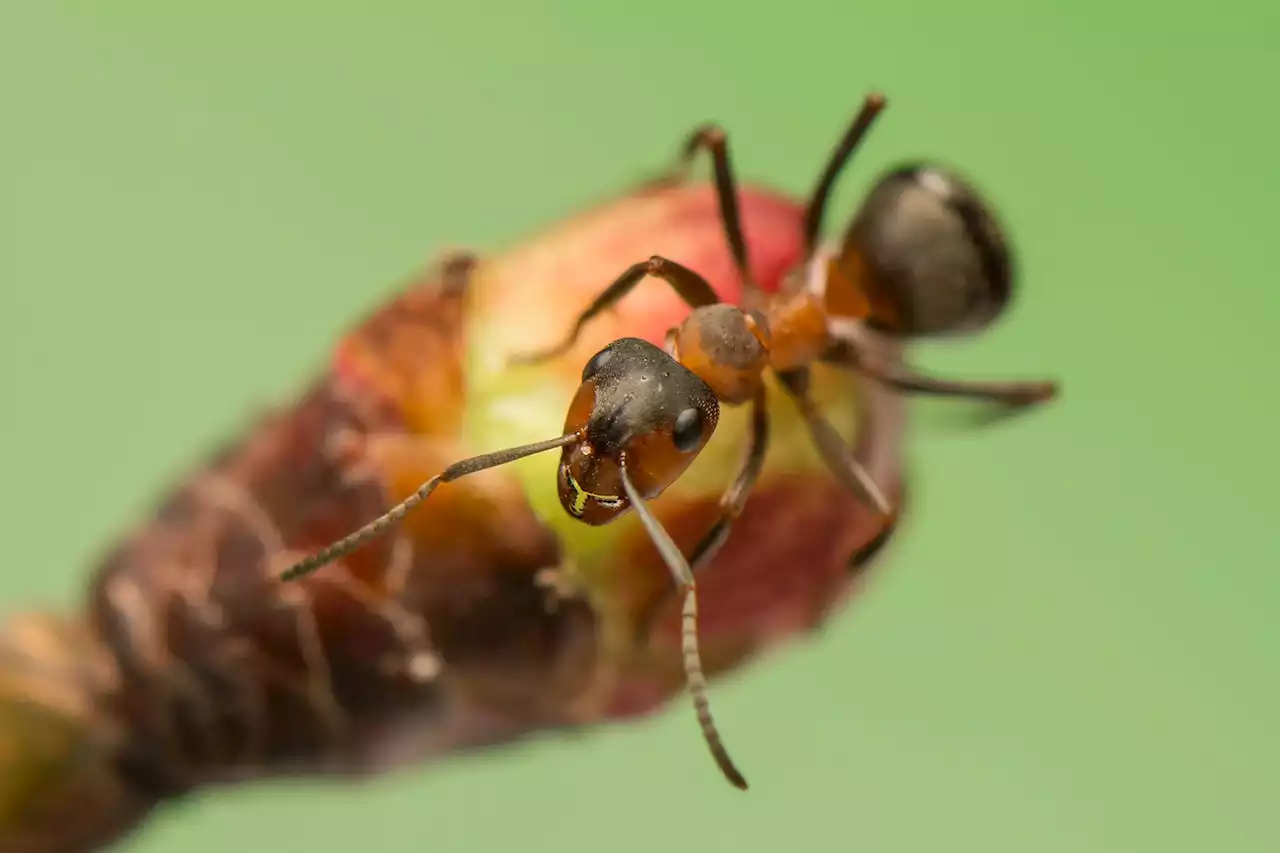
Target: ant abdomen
(928, 253)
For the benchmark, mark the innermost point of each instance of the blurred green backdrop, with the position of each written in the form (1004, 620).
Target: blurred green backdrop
(1074, 648)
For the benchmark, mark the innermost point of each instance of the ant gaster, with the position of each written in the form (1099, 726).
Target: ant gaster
(924, 256)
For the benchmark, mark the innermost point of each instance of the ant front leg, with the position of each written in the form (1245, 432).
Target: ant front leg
(735, 497)
(695, 290)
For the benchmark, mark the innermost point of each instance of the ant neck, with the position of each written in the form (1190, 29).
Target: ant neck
(798, 333)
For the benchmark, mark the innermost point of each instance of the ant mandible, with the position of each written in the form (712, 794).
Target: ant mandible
(923, 257)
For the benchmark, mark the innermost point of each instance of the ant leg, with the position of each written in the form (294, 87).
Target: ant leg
(846, 467)
(735, 497)
(351, 542)
(695, 290)
(903, 378)
(1011, 393)
(832, 447)
(732, 502)
(816, 208)
(714, 139)
(862, 558)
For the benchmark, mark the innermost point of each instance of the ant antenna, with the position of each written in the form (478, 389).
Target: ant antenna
(373, 529)
(667, 548)
(694, 676)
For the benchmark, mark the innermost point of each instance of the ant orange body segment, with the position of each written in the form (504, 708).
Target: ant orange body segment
(924, 256)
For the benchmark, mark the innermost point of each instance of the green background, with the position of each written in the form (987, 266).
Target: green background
(1075, 646)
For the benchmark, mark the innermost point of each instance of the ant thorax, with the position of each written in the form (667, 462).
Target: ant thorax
(813, 280)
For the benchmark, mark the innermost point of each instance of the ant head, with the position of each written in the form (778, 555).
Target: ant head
(928, 254)
(726, 347)
(636, 407)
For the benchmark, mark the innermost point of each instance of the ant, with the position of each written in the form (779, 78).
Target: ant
(924, 256)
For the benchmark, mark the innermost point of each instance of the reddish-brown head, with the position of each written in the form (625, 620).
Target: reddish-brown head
(636, 407)
(928, 255)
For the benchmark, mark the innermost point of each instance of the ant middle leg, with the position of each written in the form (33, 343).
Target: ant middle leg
(835, 452)
(695, 290)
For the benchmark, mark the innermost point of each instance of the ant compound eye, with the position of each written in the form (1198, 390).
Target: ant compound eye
(687, 431)
(597, 362)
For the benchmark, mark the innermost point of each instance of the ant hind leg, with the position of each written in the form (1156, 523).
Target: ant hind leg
(900, 377)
